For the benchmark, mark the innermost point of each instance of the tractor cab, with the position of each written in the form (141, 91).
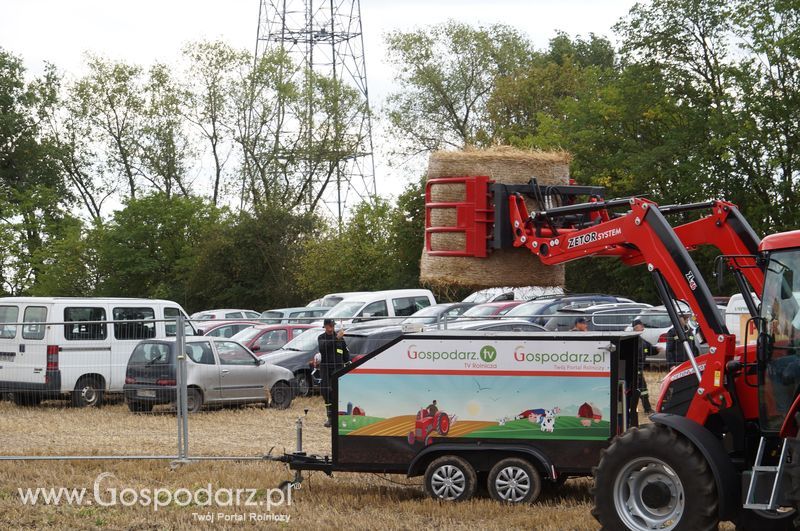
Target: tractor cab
(779, 331)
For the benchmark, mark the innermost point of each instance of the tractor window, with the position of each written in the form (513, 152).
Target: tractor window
(779, 377)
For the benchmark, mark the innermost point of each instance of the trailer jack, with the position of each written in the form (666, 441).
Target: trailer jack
(299, 460)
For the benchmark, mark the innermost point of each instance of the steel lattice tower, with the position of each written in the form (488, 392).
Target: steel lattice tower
(325, 37)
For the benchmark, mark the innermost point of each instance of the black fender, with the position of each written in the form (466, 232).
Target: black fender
(725, 473)
(415, 468)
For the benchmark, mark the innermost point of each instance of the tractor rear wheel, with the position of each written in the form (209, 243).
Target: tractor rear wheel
(653, 478)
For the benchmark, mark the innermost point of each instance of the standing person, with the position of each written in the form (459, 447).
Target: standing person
(334, 354)
(675, 351)
(580, 325)
(641, 383)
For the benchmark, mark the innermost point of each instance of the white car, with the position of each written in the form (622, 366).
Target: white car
(225, 314)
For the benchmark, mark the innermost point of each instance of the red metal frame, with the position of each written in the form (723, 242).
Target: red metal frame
(627, 237)
(474, 215)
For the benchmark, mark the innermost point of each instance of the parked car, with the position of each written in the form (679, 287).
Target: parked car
(225, 314)
(294, 356)
(332, 299)
(303, 314)
(224, 329)
(431, 315)
(490, 309)
(615, 316)
(83, 358)
(511, 294)
(390, 303)
(496, 325)
(266, 338)
(219, 371)
(546, 306)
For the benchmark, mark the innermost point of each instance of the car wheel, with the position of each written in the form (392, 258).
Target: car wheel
(450, 478)
(514, 480)
(194, 400)
(26, 399)
(303, 384)
(140, 407)
(88, 392)
(280, 395)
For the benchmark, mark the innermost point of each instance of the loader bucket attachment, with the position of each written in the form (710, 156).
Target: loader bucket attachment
(474, 216)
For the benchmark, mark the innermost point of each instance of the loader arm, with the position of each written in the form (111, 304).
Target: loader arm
(641, 235)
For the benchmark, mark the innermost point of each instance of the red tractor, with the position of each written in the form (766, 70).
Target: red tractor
(726, 431)
(426, 424)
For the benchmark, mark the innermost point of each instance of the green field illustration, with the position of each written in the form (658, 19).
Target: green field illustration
(564, 428)
(349, 423)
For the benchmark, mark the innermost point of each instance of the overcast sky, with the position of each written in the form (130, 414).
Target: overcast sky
(145, 31)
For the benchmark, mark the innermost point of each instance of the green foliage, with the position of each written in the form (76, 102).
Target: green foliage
(146, 248)
(365, 255)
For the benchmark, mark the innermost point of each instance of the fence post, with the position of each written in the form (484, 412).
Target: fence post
(181, 384)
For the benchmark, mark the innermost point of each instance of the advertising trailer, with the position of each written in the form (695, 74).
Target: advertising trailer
(514, 410)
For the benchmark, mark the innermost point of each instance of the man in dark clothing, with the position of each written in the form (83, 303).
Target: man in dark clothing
(432, 408)
(580, 325)
(641, 384)
(334, 354)
(675, 351)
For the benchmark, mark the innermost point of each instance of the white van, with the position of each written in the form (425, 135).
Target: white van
(389, 303)
(737, 316)
(76, 359)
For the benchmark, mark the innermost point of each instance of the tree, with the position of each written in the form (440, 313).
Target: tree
(250, 260)
(361, 257)
(164, 146)
(109, 99)
(212, 66)
(146, 249)
(33, 197)
(446, 75)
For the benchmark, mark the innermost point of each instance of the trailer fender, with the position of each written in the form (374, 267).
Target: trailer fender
(725, 474)
(417, 466)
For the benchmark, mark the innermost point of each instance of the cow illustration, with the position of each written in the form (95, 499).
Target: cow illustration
(548, 422)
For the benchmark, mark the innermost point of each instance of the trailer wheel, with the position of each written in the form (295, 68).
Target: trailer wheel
(652, 478)
(514, 480)
(450, 478)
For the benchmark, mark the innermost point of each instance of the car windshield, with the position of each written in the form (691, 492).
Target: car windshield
(331, 300)
(345, 309)
(305, 341)
(526, 310)
(205, 316)
(655, 320)
(271, 317)
(246, 335)
(477, 311)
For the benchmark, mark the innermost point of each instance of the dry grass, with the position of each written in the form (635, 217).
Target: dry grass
(359, 501)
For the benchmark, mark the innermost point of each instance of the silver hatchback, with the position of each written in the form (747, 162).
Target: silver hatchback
(219, 371)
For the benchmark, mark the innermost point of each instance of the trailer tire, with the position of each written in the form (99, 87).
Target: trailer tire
(651, 477)
(760, 521)
(514, 481)
(450, 478)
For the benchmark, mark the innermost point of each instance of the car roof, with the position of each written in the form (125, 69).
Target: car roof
(216, 324)
(606, 306)
(226, 310)
(461, 325)
(280, 326)
(297, 309)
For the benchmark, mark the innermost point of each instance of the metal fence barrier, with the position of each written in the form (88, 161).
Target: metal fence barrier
(72, 359)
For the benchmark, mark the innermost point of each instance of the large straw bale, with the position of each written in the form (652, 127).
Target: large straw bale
(505, 267)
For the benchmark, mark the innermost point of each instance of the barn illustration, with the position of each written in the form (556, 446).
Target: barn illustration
(589, 413)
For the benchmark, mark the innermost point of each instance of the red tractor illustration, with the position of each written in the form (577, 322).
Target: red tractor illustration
(426, 424)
